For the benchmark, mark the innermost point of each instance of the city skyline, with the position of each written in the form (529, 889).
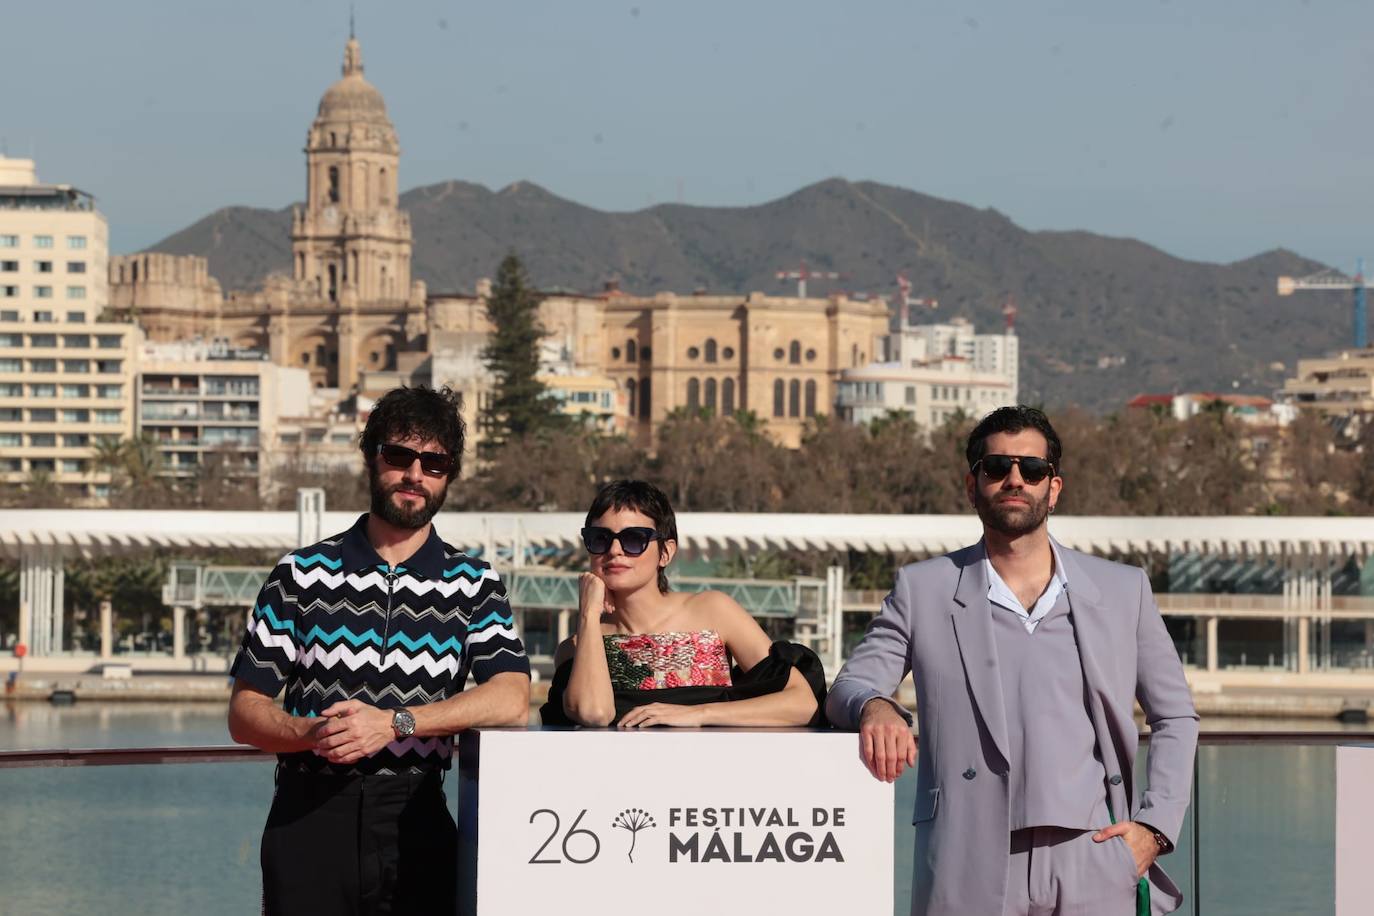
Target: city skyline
(1213, 134)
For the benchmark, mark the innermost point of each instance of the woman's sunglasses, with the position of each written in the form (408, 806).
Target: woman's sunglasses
(997, 467)
(435, 464)
(633, 541)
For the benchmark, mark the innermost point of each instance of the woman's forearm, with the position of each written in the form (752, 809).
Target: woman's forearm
(794, 705)
(589, 699)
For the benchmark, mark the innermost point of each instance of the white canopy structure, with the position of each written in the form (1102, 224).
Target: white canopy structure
(1307, 550)
(87, 533)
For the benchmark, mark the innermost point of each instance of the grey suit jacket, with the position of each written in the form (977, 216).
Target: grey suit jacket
(937, 624)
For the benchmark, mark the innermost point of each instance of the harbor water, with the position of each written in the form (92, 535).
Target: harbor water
(176, 839)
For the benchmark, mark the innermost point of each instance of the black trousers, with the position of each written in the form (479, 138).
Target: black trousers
(359, 846)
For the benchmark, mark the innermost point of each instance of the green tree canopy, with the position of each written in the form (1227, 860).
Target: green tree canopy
(520, 404)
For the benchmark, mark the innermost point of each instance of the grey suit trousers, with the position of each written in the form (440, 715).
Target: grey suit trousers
(1055, 871)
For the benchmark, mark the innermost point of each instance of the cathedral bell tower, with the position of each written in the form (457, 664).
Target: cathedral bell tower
(349, 241)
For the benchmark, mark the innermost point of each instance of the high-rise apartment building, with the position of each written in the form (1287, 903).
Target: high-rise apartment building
(65, 376)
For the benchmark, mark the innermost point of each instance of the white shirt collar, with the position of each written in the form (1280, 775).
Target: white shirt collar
(1001, 594)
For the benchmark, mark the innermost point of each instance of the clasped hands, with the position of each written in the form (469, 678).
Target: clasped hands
(351, 730)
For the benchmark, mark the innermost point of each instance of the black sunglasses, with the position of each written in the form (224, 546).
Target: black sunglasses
(634, 541)
(435, 464)
(997, 467)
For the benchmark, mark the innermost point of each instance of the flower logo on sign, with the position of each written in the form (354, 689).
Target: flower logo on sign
(633, 820)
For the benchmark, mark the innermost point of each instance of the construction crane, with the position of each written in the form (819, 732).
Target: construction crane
(904, 288)
(1334, 279)
(804, 273)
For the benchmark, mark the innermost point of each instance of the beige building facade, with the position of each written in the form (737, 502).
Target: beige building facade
(65, 375)
(778, 357)
(1339, 385)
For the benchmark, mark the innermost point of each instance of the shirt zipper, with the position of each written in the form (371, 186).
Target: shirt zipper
(386, 626)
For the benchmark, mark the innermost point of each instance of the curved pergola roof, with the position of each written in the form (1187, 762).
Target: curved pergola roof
(110, 531)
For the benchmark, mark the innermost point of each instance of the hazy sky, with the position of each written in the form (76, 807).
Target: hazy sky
(1214, 130)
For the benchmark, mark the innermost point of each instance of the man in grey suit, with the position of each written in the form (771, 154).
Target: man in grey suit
(1027, 659)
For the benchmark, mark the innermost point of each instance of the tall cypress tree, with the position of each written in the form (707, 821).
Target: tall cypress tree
(520, 404)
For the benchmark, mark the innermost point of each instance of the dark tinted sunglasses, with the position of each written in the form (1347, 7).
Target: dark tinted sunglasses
(634, 541)
(435, 464)
(997, 467)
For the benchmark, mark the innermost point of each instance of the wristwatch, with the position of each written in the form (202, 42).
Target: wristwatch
(1161, 840)
(403, 723)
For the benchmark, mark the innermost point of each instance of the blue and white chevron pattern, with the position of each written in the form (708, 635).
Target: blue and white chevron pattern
(327, 634)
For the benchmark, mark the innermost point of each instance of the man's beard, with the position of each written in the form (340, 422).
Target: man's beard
(1012, 521)
(386, 508)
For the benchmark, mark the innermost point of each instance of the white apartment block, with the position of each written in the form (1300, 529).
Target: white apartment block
(933, 372)
(931, 395)
(65, 376)
(917, 345)
(203, 401)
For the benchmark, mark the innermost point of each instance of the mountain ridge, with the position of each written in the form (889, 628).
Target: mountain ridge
(1101, 317)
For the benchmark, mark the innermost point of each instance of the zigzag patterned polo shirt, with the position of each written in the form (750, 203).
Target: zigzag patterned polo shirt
(334, 622)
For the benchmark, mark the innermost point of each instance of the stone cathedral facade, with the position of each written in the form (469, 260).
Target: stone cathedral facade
(349, 305)
(350, 313)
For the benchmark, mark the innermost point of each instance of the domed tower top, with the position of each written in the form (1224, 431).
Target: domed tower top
(352, 112)
(351, 240)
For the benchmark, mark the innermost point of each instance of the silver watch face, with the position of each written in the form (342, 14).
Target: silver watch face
(403, 723)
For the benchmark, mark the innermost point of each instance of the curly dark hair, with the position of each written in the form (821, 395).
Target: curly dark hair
(1013, 420)
(638, 496)
(421, 411)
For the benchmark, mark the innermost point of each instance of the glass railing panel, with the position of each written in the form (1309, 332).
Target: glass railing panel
(182, 837)
(172, 839)
(1268, 821)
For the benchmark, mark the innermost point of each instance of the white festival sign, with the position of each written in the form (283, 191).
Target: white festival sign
(680, 822)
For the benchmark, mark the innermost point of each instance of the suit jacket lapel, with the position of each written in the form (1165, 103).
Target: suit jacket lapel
(977, 649)
(1085, 604)
(1094, 649)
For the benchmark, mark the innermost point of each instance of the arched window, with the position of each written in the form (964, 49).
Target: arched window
(779, 398)
(631, 351)
(386, 291)
(727, 397)
(333, 184)
(854, 355)
(693, 393)
(300, 267)
(811, 398)
(794, 352)
(356, 278)
(135, 271)
(644, 405)
(633, 390)
(710, 394)
(383, 192)
(710, 349)
(794, 398)
(333, 283)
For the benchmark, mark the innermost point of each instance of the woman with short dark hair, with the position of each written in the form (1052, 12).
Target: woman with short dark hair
(646, 655)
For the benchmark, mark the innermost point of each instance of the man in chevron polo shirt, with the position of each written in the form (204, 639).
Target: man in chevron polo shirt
(373, 633)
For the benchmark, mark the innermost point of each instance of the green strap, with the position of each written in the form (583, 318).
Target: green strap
(1142, 888)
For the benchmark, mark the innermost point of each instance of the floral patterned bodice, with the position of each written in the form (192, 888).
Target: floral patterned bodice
(654, 661)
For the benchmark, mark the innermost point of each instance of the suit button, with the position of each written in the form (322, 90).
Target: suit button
(1116, 779)
(970, 773)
